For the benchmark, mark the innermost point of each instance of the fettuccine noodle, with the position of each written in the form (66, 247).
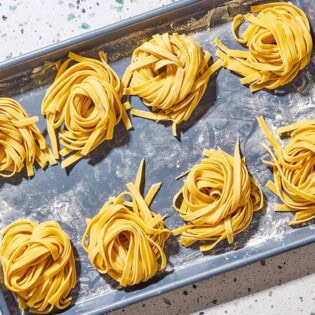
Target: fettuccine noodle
(170, 73)
(84, 101)
(38, 265)
(126, 239)
(218, 199)
(21, 142)
(293, 169)
(279, 45)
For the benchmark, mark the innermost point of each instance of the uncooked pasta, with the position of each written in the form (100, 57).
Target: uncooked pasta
(293, 169)
(84, 102)
(279, 45)
(38, 265)
(21, 142)
(126, 239)
(170, 73)
(217, 200)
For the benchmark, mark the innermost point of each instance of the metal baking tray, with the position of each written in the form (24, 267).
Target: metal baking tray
(228, 110)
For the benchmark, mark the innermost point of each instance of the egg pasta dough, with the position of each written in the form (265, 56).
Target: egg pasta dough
(38, 265)
(293, 169)
(218, 200)
(126, 239)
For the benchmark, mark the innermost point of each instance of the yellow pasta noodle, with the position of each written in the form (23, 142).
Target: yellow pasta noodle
(84, 101)
(170, 73)
(293, 169)
(218, 200)
(126, 239)
(38, 265)
(21, 142)
(279, 45)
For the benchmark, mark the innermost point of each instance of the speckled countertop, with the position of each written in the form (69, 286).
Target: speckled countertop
(284, 284)
(28, 25)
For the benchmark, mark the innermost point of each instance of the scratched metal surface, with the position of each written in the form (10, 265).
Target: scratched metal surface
(227, 111)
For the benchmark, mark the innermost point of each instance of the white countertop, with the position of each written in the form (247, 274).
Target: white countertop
(284, 284)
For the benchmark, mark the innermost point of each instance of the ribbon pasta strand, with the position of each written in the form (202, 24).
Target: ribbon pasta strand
(126, 239)
(21, 142)
(279, 45)
(293, 169)
(84, 101)
(38, 265)
(170, 73)
(218, 199)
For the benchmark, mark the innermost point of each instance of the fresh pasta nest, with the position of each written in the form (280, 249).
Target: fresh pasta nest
(21, 142)
(170, 73)
(38, 265)
(84, 101)
(218, 199)
(279, 45)
(293, 169)
(126, 239)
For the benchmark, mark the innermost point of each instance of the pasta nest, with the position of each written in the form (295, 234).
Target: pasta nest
(38, 265)
(21, 142)
(84, 101)
(293, 169)
(279, 45)
(126, 239)
(170, 73)
(218, 199)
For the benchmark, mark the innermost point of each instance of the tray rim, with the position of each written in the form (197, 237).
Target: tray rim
(19, 61)
(79, 39)
(199, 277)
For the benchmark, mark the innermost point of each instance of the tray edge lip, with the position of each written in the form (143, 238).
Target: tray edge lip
(203, 276)
(6, 64)
(101, 31)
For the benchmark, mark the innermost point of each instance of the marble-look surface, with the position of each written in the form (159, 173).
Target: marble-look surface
(284, 284)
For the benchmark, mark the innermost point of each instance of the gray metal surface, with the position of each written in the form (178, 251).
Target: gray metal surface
(227, 111)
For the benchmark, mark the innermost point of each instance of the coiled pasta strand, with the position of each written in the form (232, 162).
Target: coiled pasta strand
(293, 169)
(84, 101)
(170, 73)
(279, 45)
(218, 200)
(126, 239)
(21, 142)
(38, 265)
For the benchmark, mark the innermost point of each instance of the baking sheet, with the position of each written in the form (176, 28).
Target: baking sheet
(227, 111)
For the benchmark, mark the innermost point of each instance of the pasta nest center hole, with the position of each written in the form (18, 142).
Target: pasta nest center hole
(93, 105)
